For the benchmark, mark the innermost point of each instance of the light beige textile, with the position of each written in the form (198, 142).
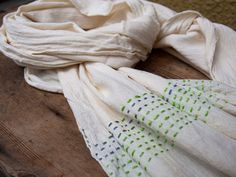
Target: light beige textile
(134, 123)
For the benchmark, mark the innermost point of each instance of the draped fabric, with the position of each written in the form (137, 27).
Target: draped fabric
(134, 123)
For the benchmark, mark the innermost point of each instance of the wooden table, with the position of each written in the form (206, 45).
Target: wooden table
(38, 133)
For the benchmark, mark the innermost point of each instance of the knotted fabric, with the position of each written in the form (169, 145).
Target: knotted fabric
(134, 123)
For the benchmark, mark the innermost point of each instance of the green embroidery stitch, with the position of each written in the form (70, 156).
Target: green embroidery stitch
(166, 124)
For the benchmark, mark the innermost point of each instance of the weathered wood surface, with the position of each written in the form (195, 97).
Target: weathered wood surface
(168, 66)
(38, 133)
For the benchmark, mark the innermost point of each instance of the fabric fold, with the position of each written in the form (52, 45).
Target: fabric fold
(134, 123)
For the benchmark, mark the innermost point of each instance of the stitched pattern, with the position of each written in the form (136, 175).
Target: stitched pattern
(198, 94)
(188, 99)
(150, 126)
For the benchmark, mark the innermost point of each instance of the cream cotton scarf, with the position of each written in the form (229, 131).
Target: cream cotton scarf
(134, 123)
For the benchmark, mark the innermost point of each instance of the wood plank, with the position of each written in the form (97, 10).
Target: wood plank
(13, 151)
(38, 130)
(168, 66)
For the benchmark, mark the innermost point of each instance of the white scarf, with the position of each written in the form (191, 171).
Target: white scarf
(134, 123)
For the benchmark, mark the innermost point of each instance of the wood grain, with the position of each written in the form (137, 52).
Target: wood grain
(168, 66)
(38, 133)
